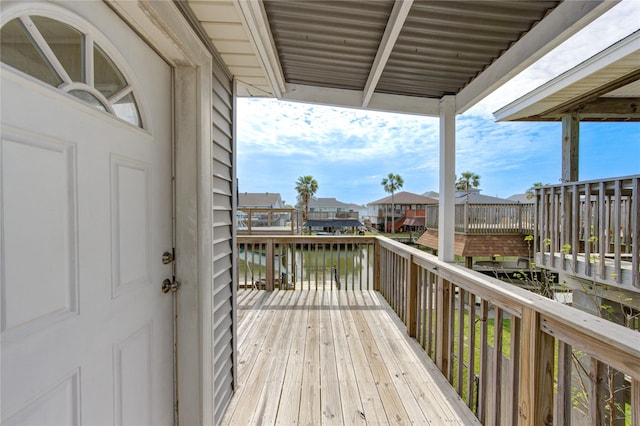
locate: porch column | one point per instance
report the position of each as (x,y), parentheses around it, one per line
(447,163)
(570,143)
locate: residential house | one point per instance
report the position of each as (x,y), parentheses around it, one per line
(407,210)
(119,191)
(260,200)
(331,215)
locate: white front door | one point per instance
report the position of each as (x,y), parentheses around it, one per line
(86,218)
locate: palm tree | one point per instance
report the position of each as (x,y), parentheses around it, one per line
(391,184)
(531,192)
(467,180)
(306,186)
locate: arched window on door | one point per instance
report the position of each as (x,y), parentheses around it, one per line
(68,59)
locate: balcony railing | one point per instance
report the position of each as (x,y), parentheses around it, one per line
(269,221)
(590,229)
(333,215)
(487,219)
(513,356)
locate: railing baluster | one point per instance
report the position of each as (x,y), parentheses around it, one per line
(471,351)
(562,409)
(634,234)
(514,370)
(617,228)
(431,279)
(575,226)
(484,361)
(536,372)
(269,265)
(412,300)
(602,241)
(496,377)
(588,224)
(460,339)
(442,325)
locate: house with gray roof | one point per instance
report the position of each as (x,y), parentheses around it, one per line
(260,200)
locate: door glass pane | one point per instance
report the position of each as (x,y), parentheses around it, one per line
(108,80)
(88,98)
(127,110)
(17,50)
(66,43)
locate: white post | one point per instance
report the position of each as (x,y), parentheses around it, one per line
(446,216)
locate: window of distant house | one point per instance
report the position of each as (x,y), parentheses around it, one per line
(69,60)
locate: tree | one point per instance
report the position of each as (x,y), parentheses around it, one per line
(531,192)
(467,180)
(391,184)
(306,186)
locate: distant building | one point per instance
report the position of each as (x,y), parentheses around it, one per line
(332,205)
(260,200)
(409,211)
(473,196)
(522,198)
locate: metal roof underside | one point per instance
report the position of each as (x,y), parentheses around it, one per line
(400,56)
(606,87)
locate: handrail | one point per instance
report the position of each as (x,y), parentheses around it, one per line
(435,300)
(433,295)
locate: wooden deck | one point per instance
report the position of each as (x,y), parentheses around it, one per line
(334,357)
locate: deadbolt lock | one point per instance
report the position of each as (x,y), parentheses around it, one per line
(167,258)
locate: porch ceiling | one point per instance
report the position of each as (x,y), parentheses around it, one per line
(606,87)
(400,56)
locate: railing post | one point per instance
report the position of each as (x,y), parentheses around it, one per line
(269,260)
(412,299)
(536,372)
(376,265)
(442,325)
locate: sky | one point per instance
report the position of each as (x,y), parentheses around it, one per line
(350,151)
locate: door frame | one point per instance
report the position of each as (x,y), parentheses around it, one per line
(162,26)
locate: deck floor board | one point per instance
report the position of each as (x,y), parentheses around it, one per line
(334,357)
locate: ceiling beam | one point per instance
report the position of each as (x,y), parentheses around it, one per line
(564,21)
(254,18)
(353,99)
(395,23)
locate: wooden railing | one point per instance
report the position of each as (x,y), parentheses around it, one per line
(590,229)
(513,356)
(268,221)
(487,219)
(553,362)
(333,215)
(310,262)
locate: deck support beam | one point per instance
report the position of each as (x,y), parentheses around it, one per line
(570,143)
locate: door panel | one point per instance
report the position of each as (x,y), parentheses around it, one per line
(86,216)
